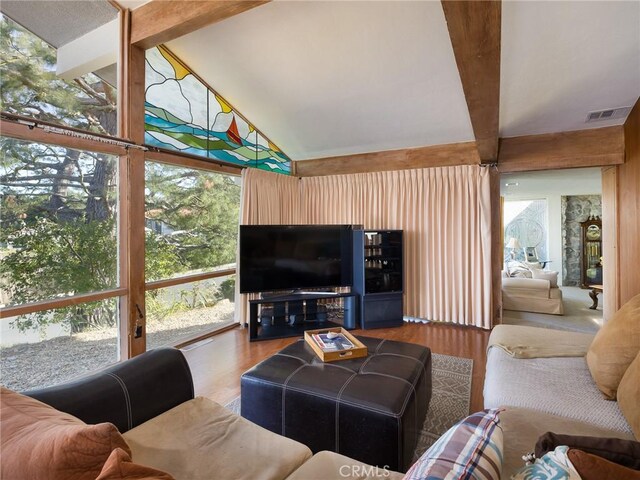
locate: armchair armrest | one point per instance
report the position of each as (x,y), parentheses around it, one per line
(126,394)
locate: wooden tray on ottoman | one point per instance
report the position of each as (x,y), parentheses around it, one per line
(359,350)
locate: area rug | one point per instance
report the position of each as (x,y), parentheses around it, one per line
(450,399)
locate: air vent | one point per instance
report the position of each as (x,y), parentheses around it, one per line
(609,114)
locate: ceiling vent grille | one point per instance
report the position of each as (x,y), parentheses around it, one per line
(609,114)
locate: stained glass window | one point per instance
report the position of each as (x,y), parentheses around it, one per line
(181,113)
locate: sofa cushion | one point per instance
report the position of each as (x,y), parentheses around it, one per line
(629,395)
(615,347)
(544,275)
(522,427)
(471,449)
(554,465)
(120,467)
(200,439)
(592,467)
(327,465)
(38,441)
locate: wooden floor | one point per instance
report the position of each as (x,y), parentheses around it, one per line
(218,362)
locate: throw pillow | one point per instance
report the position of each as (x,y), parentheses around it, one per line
(614,347)
(554,465)
(629,396)
(592,467)
(518,270)
(120,467)
(471,449)
(617,450)
(543,275)
(38,441)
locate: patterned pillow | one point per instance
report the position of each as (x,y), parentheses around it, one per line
(471,449)
(554,465)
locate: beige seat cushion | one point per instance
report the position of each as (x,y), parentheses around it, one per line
(616,345)
(522,427)
(201,439)
(329,466)
(629,395)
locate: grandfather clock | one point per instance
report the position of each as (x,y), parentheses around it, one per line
(591,249)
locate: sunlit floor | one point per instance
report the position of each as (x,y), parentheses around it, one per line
(577,315)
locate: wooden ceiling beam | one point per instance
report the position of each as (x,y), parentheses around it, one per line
(596,147)
(474,28)
(161,21)
(421,157)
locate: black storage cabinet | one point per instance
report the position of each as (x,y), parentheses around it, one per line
(378,277)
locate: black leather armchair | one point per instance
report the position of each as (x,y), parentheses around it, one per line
(126,394)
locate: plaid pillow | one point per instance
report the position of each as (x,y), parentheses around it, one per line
(471,449)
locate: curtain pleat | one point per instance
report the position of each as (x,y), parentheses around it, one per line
(444,213)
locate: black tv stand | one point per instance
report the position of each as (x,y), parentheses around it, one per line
(289,315)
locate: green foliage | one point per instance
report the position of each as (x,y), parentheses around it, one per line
(201,211)
(228,289)
(58,206)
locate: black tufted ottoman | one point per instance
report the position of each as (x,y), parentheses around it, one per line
(370,409)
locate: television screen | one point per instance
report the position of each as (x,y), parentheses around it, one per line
(283,257)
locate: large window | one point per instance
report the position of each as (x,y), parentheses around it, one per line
(192,227)
(58,238)
(32,88)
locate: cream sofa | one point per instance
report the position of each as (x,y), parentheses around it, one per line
(531,295)
(544,391)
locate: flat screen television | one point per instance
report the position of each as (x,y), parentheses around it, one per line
(291,257)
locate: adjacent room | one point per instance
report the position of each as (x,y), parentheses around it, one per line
(253,239)
(552,223)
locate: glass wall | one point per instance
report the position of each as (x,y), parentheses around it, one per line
(53,346)
(58,215)
(181,312)
(30,84)
(191,219)
(58,238)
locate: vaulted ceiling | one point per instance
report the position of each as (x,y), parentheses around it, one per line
(327,78)
(335,78)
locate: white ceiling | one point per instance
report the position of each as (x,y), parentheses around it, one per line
(333,78)
(561,60)
(58,22)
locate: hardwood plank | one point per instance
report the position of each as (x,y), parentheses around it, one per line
(420,157)
(597,147)
(218,363)
(192,161)
(160,21)
(496,247)
(60,302)
(610,236)
(134,235)
(196,277)
(629,209)
(474,28)
(36,134)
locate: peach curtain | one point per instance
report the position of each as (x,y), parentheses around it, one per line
(266,199)
(444,213)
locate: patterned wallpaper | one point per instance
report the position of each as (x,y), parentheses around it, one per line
(575,209)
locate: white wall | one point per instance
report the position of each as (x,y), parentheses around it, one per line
(552,185)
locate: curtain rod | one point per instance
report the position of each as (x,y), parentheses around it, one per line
(70,131)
